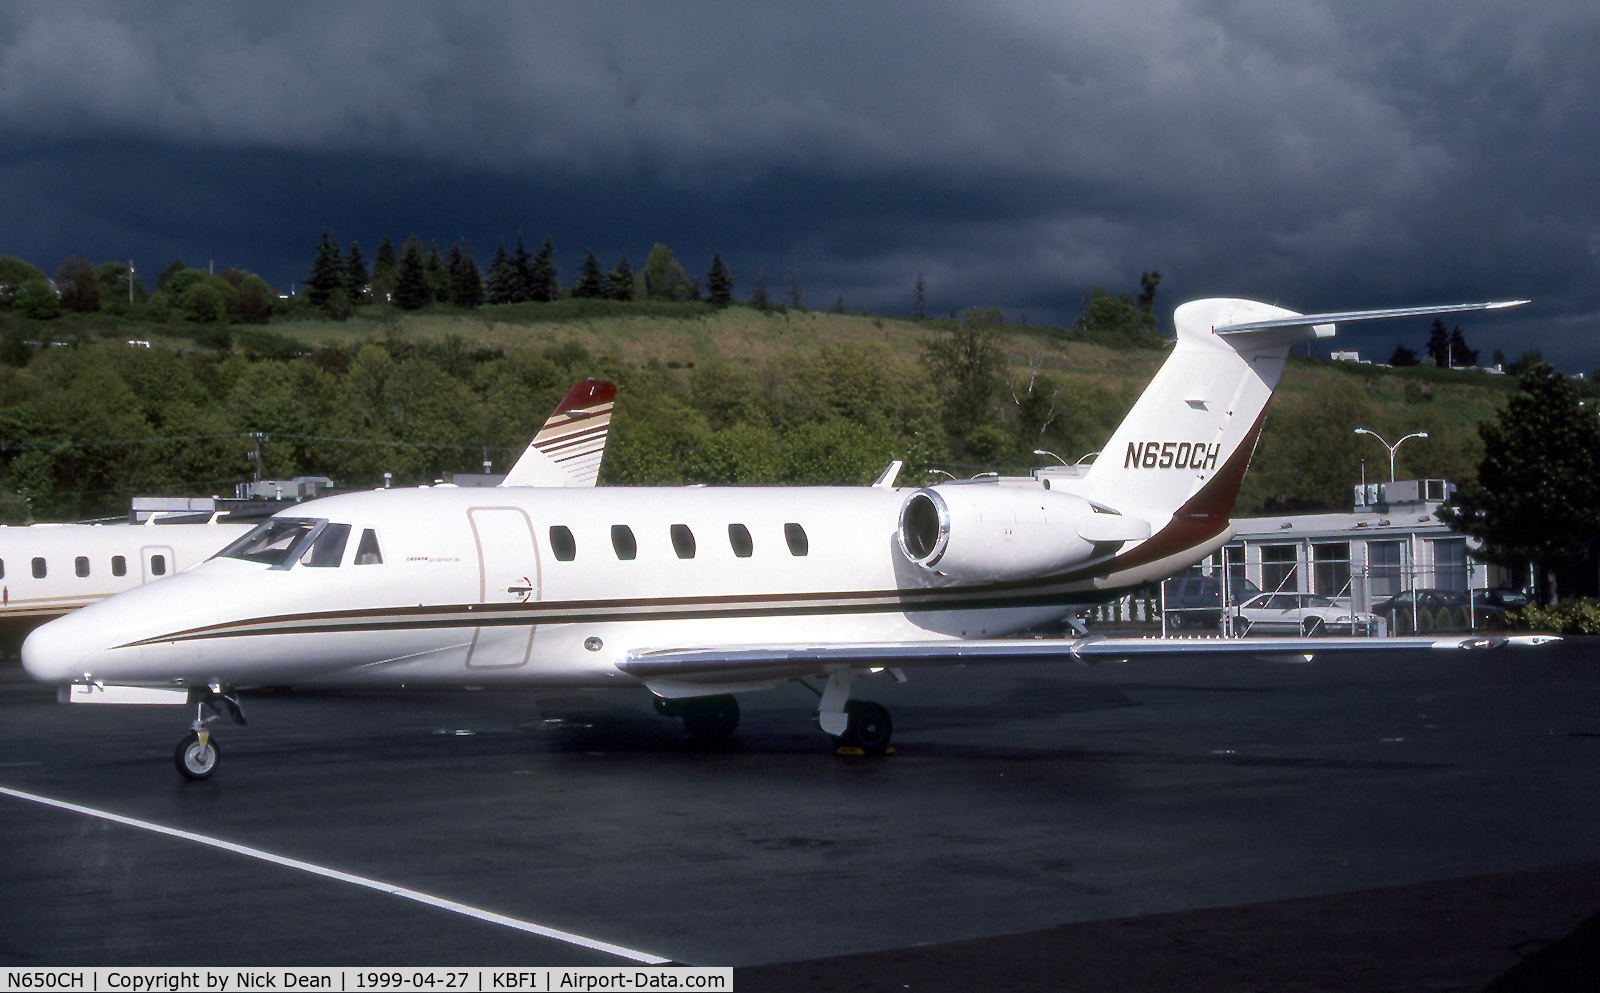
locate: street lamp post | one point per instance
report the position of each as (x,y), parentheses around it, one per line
(1392,448)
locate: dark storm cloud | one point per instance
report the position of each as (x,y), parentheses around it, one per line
(1321,155)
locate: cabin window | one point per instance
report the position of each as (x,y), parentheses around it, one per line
(38,569)
(622,542)
(327,550)
(2,568)
(119,566)
(739,538)
(367,550)
(683,541)
(80,566)
(795,535)
(562,543)
(158,565)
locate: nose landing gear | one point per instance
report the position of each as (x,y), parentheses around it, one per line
(197,754)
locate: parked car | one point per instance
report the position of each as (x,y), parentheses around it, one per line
(1299,613)
(1424,610)
(1194,601)
(1508,598)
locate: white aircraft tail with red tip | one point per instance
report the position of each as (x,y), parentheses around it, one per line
(568,449)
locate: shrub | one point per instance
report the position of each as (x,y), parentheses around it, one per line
(1580,616)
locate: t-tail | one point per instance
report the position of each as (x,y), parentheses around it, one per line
(1159,496)
(567,451)
(1179,457)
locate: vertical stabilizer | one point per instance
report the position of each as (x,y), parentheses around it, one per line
(567,451)
(1199,419)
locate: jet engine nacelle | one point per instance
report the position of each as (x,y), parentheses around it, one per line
(988,533)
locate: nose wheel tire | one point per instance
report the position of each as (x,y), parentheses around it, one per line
(195,760)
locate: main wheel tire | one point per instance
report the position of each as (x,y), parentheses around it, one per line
(196,761)
(1175,620)
(869,728)
(710,718)
(1313,628)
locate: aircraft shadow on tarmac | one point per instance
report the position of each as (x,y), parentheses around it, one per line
(446,728)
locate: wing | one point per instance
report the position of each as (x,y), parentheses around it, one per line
(683,671)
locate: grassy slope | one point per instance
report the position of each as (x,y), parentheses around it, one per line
(687,334)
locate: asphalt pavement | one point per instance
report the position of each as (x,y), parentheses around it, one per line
(1431,822)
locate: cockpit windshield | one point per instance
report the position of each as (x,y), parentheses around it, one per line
(271,542)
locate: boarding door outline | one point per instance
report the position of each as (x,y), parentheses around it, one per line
(508,572)
(168,561)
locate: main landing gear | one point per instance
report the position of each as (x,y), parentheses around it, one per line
(197,754)
(856,726)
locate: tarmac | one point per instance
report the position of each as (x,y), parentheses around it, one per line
(1363,823)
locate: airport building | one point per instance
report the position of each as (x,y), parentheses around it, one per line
(1393,540)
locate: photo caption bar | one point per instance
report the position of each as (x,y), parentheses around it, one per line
(382,980)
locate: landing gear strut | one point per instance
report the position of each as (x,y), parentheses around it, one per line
(197,754)
(854,724)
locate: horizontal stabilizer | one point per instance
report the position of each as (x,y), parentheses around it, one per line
(1300,327)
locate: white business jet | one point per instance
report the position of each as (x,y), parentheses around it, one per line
(696,593)
(47,570)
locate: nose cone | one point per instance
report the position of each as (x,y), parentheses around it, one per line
(55,652)
(107,641)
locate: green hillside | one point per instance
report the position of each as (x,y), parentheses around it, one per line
(734,395)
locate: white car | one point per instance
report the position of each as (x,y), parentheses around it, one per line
(1299,613)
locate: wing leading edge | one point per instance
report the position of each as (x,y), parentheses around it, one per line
(733,664)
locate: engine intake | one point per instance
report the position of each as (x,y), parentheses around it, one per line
(989,533)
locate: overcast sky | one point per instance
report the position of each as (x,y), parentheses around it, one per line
(1318,155)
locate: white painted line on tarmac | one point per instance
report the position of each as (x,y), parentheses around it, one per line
(345,877)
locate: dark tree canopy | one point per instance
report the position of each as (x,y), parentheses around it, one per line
(619,285)
(591,284)
(719,282)
(1537,498)
(328,272)
(1403,356)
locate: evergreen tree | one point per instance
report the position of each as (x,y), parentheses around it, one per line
(1537,497)
(411,291)
(919,298)
(545,283)
(385,270)
(438,275)
(797,299)
(327,272)
(1461,357)
(466,283)
(1402,356)
(619,285)
(501,275)
(521,273)
(1439,343)
(719,282)
(356,277)
(590,284)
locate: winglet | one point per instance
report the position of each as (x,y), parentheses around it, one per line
(568,449)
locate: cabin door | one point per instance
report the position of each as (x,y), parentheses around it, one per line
(508,573)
